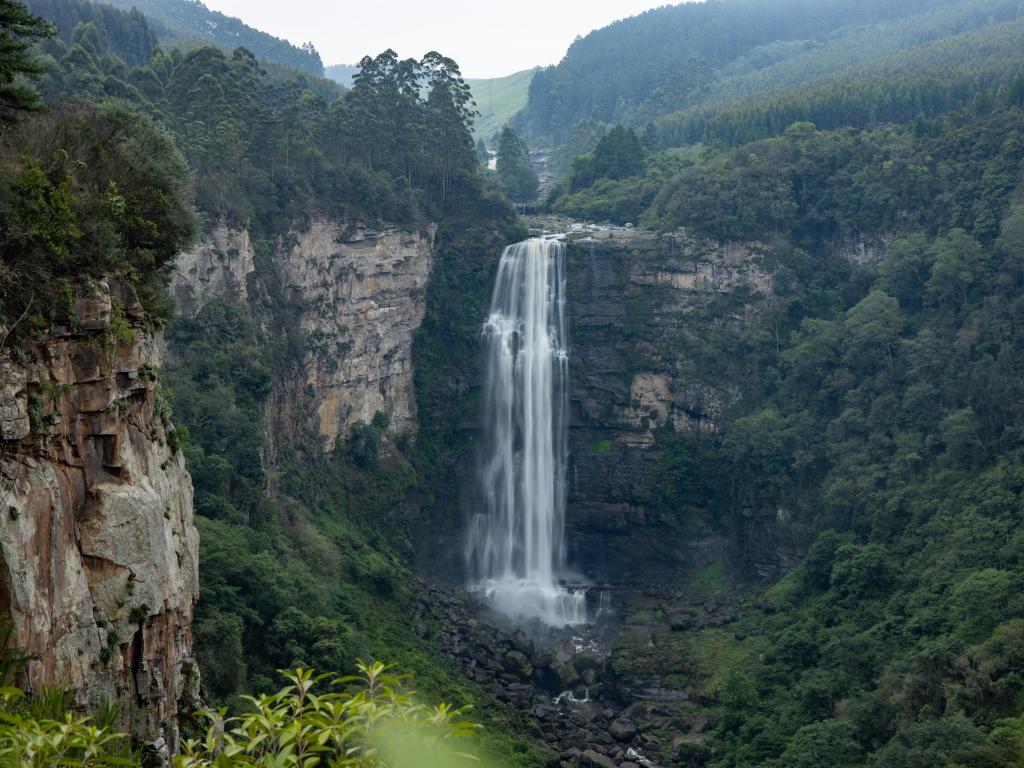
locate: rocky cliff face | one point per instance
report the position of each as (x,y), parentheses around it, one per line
(217,267)
(360,295)
(642,307)
(98,551)
(357,295)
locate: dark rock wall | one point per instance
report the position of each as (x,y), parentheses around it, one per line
(641,307)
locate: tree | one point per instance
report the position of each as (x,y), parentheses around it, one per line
(514,170)
(617,155)
(19,31)
(449,114)
(825,744)
(94,190)
(956,262)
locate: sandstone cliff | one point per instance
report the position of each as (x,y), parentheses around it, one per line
(361,297)
(98,551)
(217,267)
(356,295)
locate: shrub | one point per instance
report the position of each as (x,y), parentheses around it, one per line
(376,726)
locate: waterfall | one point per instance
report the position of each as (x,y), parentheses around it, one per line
(515,549)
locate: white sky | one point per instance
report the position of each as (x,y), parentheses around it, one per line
(487,39)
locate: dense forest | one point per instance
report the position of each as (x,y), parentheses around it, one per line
(189,24)
(747,71)
(879,396)
(872,153)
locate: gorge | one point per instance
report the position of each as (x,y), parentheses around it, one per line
(713,459)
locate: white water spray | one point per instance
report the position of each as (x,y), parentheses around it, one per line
(515,550)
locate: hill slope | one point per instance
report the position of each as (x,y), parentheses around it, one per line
(678,56)
(341,73)
(191,20)
(498,99)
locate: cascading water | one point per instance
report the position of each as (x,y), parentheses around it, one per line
(515,550)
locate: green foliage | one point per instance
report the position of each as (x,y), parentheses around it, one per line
(364,445)
(810,186)
(19,30)
(619,201)
(617,155)
(126,34)
(377,724)
(514,170)
(48,743)
(91,191)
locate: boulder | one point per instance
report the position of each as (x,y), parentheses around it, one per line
(517,663)
(587,660)
(622,730)
(592,759)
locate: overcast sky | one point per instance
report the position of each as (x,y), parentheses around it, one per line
(488,39)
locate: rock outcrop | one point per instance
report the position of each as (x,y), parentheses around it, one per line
(360,295)
(217,267)
(98,551)
(642,307)
(356,294)
(639,305)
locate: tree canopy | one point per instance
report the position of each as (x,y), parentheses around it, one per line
(19,31)
(514,170)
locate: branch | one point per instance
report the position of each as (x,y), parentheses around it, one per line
(16,322)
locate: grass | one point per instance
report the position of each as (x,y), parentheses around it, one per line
(498,99)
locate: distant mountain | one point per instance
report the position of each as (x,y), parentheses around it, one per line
(191,20)
(671,58)
(341,73)
(498,99)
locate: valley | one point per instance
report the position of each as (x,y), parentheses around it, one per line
(687,432)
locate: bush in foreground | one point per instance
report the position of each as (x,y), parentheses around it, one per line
(313,721)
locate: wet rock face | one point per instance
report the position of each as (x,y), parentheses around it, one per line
(639,306)
(98,551)
(636,302)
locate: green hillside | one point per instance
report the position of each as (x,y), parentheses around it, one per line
(195,24)
(498,99)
